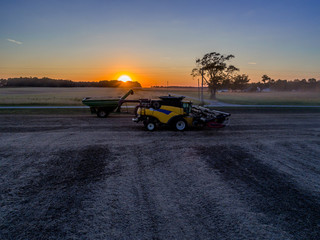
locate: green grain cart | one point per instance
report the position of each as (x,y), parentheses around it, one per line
(102,107)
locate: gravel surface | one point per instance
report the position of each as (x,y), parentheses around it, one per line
(81,177)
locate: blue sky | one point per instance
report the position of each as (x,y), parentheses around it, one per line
(157,41)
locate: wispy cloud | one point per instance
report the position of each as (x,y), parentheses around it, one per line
(252,63)
(14,41)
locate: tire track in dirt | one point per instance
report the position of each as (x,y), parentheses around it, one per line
(170,200)
(268,191)
(49,204)
(299,160)
(145,198)
(297,153)
(144,195)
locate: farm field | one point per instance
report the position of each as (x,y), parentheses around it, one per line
(69,96)
(73,96)
(271,98)
(80,177)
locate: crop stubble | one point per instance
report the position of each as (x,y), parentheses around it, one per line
(87,178)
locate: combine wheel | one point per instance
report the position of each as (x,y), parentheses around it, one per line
(180,125)
(102,113)
(150,125)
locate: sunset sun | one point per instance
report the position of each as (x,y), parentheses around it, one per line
(124,78)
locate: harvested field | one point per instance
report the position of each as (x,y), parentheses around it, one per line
(33,96)
(81,177)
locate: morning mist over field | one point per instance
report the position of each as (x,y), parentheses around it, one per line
(155,42)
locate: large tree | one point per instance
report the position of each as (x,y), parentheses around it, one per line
(215,70)
(240,82)
(265,78)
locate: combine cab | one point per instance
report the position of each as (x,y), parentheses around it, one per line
(177,113)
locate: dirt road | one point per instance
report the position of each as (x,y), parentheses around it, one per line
(80,177)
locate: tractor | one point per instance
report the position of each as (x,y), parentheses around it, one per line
(177,113)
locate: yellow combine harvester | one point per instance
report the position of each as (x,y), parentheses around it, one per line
(179,114)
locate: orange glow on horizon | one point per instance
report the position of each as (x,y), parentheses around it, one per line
(147,77)
(124,78)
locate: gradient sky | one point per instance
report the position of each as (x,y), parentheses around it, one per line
(157,41)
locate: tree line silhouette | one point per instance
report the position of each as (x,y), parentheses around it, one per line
(215,72)
(241,82)
(49,82)
(268,83)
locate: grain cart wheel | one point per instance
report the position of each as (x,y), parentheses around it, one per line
(102,113)
(180,125)
(150,125)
